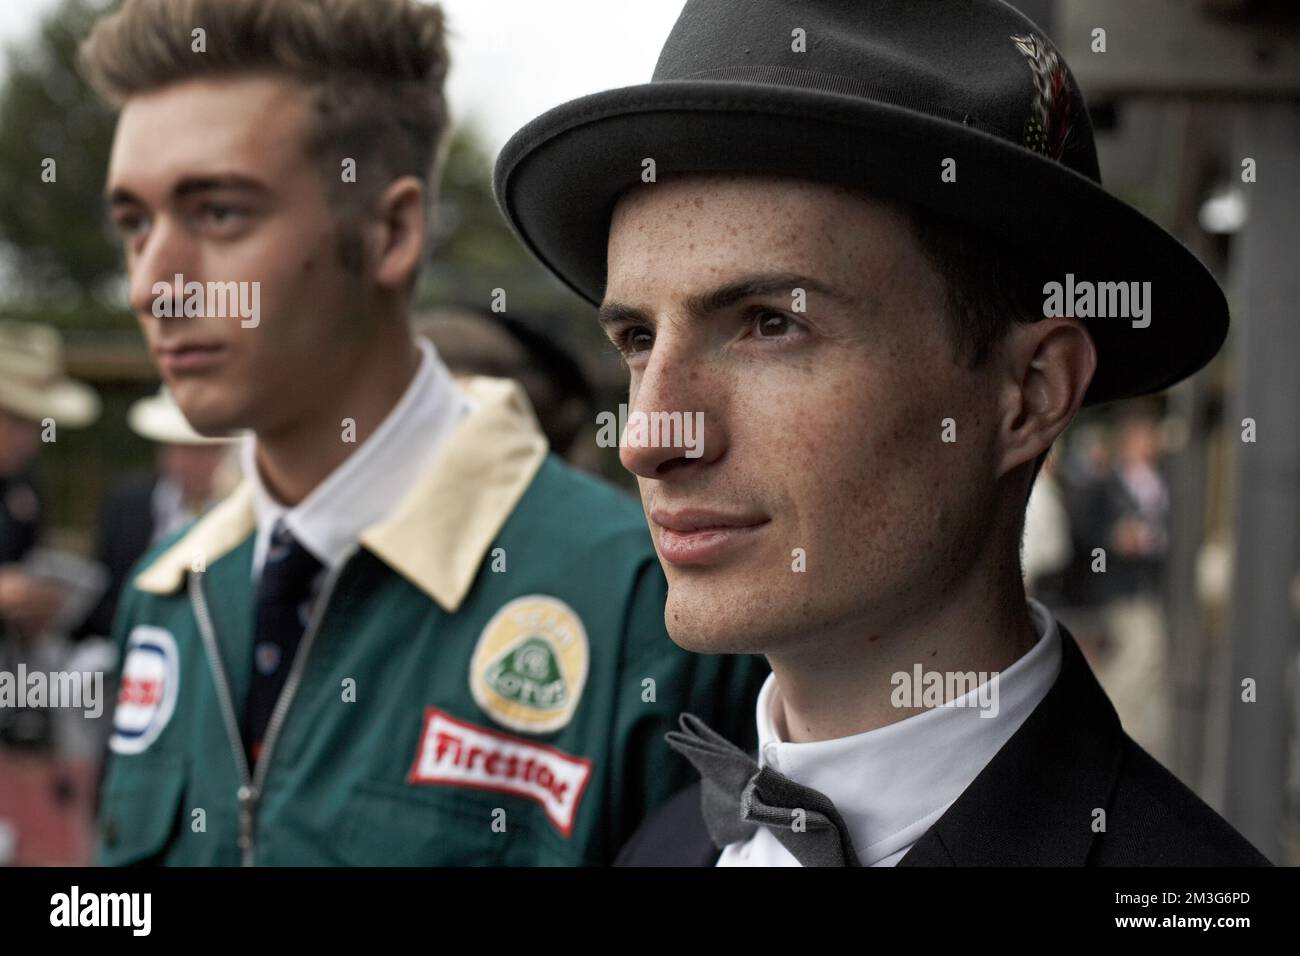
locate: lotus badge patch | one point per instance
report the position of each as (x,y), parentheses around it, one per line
(530,665)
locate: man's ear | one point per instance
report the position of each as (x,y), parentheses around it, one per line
(1046,367)
(395,235)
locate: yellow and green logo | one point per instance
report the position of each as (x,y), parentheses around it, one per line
(530,664)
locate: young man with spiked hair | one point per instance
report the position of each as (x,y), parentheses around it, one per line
(412,636)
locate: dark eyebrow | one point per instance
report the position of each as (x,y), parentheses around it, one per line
(190,186)
(703,304)
(614,313)
(756,286)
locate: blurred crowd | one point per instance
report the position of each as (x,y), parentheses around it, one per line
(1095,551)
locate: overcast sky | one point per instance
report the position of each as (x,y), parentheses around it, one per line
(511,59)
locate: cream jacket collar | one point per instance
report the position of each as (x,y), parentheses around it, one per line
(439,534)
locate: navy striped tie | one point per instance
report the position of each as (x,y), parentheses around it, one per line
(283,600)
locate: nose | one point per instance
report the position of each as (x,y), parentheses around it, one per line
(163,254)
(675,425)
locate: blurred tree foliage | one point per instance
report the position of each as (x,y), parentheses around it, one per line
(53,233)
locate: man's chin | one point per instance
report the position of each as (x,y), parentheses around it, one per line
(208,414)
(713,624)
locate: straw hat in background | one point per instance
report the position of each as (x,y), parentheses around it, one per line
(33,384)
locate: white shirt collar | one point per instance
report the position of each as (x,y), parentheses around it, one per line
(892,783)
(374,479)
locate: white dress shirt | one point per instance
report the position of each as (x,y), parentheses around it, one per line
(374,479)
(892,783)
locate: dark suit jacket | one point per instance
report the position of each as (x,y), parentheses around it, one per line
(20,516)
(125,530)
(1033,805)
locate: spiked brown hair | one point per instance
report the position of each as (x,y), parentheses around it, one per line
(375,70)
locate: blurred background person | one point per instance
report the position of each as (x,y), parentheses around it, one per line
(1134,507)
(1088,475)
(192,473)
(531,351)
(36,399)
(43,800)
(1096,540)
(1083,474)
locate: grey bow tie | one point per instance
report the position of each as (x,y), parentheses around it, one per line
(738,796)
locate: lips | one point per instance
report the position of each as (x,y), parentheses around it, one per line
(189,357)
(698,536)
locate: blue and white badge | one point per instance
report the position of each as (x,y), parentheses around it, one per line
(146,696)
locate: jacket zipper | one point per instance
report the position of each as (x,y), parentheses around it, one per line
(250,786)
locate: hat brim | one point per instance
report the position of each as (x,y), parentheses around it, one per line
(559,177)
(68,402)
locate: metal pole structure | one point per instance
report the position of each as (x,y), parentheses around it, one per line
(1188,650)
(1267,525)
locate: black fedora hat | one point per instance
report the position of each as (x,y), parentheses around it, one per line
(877,94)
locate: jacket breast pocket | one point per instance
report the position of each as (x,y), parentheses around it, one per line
(401,825)
(142,801)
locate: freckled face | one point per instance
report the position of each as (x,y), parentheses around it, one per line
(822,428)
(210,179)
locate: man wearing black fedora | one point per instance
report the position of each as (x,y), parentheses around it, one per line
(831,229)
